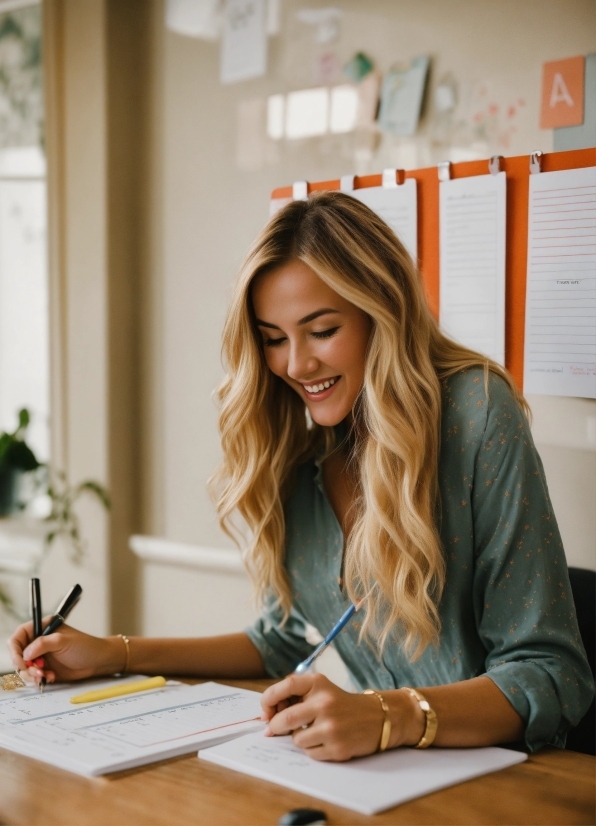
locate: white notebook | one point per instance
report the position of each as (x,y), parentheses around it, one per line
(123,732)
(367,785)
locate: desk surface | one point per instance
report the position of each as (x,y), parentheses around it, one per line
(553,787)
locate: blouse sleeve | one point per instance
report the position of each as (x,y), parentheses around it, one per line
(282,646)
(522,598)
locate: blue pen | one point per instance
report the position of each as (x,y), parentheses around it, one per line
(347,616)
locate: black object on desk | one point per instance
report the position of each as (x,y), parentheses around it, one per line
(303,817)
(64,609)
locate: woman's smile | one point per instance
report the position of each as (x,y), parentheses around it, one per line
(320,389)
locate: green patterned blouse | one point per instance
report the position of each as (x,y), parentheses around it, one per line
(507,609)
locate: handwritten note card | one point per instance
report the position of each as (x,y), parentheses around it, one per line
(560,342)
(472,262)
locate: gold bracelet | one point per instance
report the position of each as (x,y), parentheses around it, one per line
(432,723)
(386,731)
(126,642)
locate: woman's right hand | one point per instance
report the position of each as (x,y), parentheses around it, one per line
(67,654)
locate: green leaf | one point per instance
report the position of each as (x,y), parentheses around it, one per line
(10,26)
(18,455)
(5,441)
(24,418)
(98,490)
(14,452)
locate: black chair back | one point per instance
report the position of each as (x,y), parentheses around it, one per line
(583,586)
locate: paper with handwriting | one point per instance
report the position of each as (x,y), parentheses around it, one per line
(127,731)
(368,784)
(472,262)
(560,336)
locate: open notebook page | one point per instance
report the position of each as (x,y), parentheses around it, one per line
(472,262)
(560,336)
(96,738)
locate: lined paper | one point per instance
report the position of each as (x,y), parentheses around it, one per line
(472,262)
(560,338)
(127,731)
(397,207)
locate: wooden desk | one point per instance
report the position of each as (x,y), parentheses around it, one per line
(554,787)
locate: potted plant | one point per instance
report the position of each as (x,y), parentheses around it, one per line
(16,458)
(61,519)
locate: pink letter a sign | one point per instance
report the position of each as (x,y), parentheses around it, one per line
(562,93)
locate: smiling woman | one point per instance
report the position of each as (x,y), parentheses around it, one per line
(413,489)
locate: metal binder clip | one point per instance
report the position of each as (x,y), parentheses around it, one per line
(494,164)
(444,170)
(392,178)
(300,191)
(346,183)
(535,162)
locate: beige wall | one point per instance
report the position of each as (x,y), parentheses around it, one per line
(212,208)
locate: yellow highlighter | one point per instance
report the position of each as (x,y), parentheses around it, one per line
(118,690)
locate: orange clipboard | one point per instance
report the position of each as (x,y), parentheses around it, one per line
(517,170)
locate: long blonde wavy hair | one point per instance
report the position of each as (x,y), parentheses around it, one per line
(393,550)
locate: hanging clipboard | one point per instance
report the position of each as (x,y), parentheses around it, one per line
(518,173)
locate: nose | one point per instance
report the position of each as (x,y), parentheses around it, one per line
(301,362)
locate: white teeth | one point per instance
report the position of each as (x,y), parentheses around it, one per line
(317,388)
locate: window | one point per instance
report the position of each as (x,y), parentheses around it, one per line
(24,308)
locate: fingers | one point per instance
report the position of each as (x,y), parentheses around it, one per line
(279,707)
(32,659)
(292,718)
(296,685)
(19,641)
(317,742)
(44,645)
(323,752)
(328,723)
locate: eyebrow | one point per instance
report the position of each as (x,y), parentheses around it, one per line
(305,320)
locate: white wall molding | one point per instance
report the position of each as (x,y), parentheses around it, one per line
(168,552)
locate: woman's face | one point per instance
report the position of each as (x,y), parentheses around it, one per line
(313,339)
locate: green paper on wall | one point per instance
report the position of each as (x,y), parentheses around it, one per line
(358,67)
(401,97)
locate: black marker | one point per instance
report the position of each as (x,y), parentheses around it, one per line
(64,609)
(36,615)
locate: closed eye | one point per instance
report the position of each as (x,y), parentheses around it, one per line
(326,333)
(274,342)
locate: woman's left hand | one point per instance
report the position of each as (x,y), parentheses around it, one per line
(325,721)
